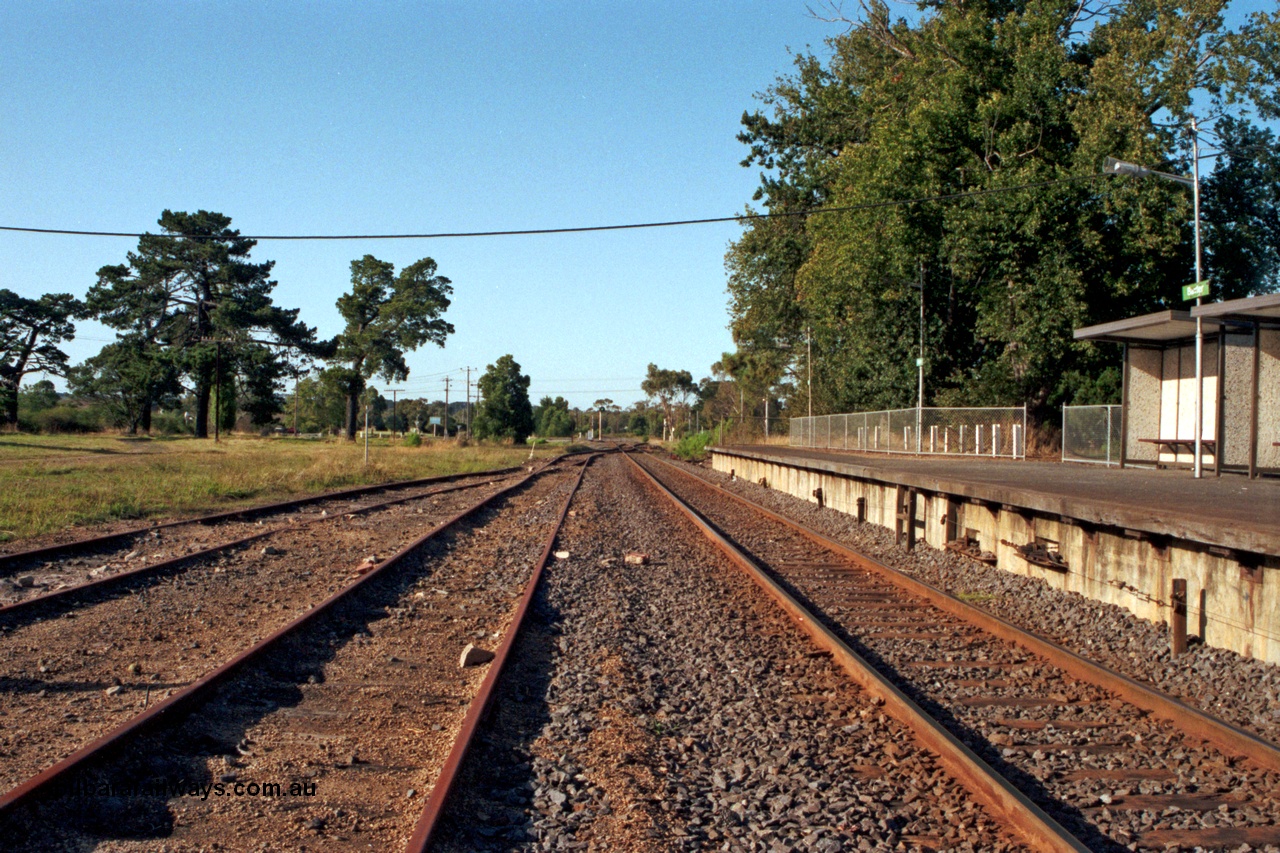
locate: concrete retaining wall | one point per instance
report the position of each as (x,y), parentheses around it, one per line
(1233,599)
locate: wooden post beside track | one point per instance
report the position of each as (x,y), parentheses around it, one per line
(906,517)
(1178,623)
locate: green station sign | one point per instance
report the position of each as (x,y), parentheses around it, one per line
(1195,291)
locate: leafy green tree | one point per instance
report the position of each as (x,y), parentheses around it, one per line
(319,403)
(191,294)
(671,388)
(603,406)
(504,411)
(387,315)
(30,332)
(1002,112)
(38,397)
(638,424)
(552,419)
(127,378)
(1240,203)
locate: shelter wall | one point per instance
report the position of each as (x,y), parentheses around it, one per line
(1145,369)
(1269,399)
(1237,388)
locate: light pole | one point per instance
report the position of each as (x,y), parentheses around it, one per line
(920,365)
(1120,167)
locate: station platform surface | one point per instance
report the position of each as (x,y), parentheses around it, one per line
(1230,511)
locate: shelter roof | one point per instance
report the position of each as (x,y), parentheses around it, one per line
(1158,328)
(1265,308)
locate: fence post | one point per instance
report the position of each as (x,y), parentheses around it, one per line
(946,439)
(1064,432)
(977,439)
(1024,430)
(1108,435)
(1015,442)
(933,438)
(995,439)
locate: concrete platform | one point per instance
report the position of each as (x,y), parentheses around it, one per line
(1124,535)
(1230,511)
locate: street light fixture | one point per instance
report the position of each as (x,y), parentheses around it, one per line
(1120,167)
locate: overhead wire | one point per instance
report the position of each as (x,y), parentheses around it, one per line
(521,232)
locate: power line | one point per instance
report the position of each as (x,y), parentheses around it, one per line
(522,232)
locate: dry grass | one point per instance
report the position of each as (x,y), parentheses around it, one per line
(49,483)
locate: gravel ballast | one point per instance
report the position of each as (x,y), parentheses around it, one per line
(667,705)
(1236,689)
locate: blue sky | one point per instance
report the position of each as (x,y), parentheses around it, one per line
(331,118)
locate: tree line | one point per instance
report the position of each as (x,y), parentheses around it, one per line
(996,117)
(194,316)
(201,344)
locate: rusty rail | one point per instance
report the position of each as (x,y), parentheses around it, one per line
(433,810)
(190,695)
(1007,803)
(162,566)
(1193,721)
(6,560)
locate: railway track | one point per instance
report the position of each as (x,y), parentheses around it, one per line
(354,701)
(1117,764)
(651,701)
(662,703)
(52,569)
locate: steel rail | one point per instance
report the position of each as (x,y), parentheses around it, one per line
(163,566)
(1192,721)
(45,551)
(1005,802)
(189,696)
(433,809)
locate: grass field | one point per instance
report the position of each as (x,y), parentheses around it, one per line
(51,482)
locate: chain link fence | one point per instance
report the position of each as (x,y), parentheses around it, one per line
(753,430)
(993,431)
(1091,434)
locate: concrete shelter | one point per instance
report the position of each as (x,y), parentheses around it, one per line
(1250,367)
(1241,371)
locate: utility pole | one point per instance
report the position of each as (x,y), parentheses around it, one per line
(393,391)
(808,361)
(366,431)
(217,382)
(296,374)
(218,389)
(446,407)
(468,409)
